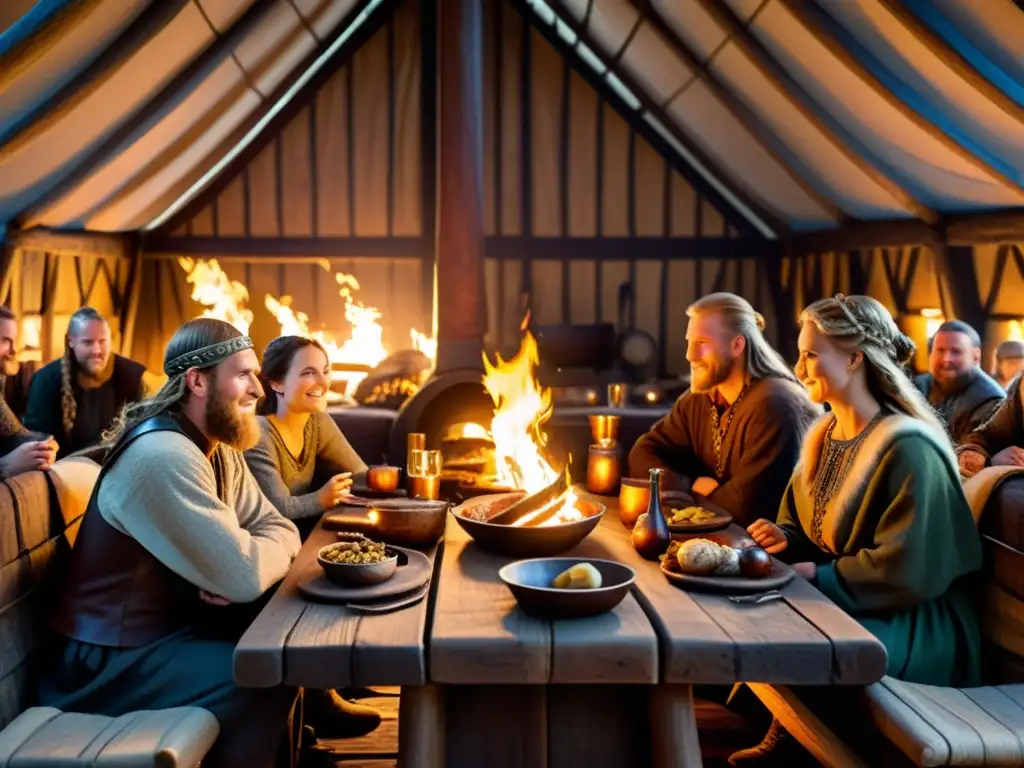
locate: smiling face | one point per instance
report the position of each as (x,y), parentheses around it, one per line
(233,392)
(824,367)
(952,358)
(90,343)
(305,385)
(712,353)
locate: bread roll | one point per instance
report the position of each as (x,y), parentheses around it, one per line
(702,557)
(580,576)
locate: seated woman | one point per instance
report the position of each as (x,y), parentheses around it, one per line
(874,515)
(300,445)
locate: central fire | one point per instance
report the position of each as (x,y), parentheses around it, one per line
(521,407)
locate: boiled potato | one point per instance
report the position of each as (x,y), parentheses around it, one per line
(580,576)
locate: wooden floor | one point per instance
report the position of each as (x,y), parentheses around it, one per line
(721,732)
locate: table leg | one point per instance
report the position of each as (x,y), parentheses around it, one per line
(421,727)
(674,739)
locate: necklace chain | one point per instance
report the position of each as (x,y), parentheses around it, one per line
(837,457)
(719,432)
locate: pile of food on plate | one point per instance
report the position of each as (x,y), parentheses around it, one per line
(703,557)
(357,552)
(690,516)
(580,576)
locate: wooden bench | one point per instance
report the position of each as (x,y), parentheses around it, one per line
(932,725)
(39,518)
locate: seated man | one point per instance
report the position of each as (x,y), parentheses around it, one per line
(20,450)
(1000,440)
(1009,362)
(963,394)
(177,524)
(76,397)
(735,436)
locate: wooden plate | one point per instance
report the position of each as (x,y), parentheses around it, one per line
(779,576)
(314,585)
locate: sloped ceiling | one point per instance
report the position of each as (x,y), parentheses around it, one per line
(804,113)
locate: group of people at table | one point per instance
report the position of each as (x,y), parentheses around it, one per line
(845,467)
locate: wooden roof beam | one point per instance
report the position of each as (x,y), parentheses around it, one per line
(647,106)
(768,141)
(71,243)
(802,102)
(811,18)
(185,81)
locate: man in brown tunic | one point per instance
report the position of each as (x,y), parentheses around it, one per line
(735,436)
(1000,440)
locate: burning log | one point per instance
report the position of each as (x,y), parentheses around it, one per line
(536,508)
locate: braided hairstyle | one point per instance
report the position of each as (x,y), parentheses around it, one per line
(863,324)
(69,365)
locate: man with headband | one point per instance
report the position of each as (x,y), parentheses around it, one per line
(177,534)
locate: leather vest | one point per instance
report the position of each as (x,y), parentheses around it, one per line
(116,593)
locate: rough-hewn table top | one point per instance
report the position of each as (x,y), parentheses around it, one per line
(318,645)
(804,639)
(479,634)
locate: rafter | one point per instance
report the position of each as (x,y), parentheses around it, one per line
(952,59)
(767,140)
(57,107)
(70,243)
(635,117)
(811,18)
(279,120)
(186,81)
(801,102)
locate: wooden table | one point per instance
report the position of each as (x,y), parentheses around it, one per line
(484,684)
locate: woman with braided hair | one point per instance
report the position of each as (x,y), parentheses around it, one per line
(76,397)
(874,515)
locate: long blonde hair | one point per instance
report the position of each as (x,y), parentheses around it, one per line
(69,366)
(763,362)
(863,324)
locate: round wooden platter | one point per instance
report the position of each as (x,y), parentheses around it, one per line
(779,576)
(314,585)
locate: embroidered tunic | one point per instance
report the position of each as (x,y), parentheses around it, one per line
(757,453)
(895,545)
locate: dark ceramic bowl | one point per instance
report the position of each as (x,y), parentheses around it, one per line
(525,541)
(530,583)
(357,574)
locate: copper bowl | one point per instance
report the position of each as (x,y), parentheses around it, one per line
(384,479)
(402,522)
(523,541)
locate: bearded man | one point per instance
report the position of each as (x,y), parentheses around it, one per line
(962,394)
(176,530)
(735,436)
(76,397)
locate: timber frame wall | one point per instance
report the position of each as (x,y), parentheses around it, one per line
(582,196)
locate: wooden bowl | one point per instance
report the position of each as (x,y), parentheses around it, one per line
(403,522)
(384,478)
(357,574)
(530,584)
(525,541)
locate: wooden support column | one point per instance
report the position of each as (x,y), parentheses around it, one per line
(459,243)
(959,281)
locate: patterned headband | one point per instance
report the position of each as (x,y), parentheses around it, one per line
(206,357)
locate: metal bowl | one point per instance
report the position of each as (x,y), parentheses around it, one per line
(525,541)
(357,574)
(403,522)
(530,584)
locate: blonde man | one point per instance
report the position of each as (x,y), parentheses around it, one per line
(735,436)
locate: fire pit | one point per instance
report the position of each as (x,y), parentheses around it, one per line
(571,525)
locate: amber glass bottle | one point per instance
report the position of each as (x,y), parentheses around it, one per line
(651,536)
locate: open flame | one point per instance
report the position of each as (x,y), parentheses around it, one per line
(521,407)
(364,349)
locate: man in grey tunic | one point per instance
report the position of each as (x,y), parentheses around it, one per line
(962,394)
(175,550)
